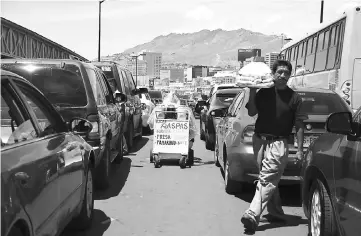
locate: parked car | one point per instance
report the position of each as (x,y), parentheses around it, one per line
(234,151)
(79,89)
(156,96)
(46,167)
(212,113)
(217,87)
(331,179)
(147,108)
(122,79)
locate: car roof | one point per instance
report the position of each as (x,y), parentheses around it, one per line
(312,90)
(8,73)
(100,63)
(47,61)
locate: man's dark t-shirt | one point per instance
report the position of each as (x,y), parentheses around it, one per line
(276,111)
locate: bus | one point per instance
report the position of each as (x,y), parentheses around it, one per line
(329,57)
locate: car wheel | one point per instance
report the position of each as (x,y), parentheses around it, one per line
(103,170)
(85,218)
(120,155)
(130,136)
(140,129)
(321,211)
(231,186)
(209,145)
(216,153)
(202,131)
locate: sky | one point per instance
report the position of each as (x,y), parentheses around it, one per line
(127,23)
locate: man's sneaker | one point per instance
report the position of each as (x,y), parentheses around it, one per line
(249,222)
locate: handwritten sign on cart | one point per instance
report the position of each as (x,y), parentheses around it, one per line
(171,136)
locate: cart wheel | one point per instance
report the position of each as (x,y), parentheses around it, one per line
(151,156)
(183,162)
(156,161)
(190,161)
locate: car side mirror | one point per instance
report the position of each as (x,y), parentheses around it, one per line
(120,97)
(80,126)
(339,123)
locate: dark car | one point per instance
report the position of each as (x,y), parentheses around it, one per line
(121,79)
(46,167)
(79,89)
(215,107)
(331,178)
(156,96)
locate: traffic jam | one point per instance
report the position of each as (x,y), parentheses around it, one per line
(67,124)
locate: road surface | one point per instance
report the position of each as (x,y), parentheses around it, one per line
(144,201)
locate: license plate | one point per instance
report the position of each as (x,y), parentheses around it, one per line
(307,140)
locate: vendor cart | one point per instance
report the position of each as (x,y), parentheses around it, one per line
(171,137)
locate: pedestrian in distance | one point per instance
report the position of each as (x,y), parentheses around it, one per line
(278,109)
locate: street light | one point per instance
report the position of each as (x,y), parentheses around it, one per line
(136,65)
(100,6)
(321,14)
(285,39)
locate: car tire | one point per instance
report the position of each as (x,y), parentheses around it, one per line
(321,212)
(85,218)
(120,155)
(102,179)
(16,232)
(216,154)
(231,186)
(209,145)
(130,136)
(202,131)
(140,135)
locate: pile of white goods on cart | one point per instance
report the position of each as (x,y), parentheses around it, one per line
(174,128)
(255,75)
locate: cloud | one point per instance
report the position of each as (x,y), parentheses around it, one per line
(200,13)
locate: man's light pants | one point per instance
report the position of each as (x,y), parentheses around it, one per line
(272,159)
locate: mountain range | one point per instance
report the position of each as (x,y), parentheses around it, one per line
(207,47)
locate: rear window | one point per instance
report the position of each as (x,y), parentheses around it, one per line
(62,87)
(225,98)
(108,71)
(155,94)
(321,103)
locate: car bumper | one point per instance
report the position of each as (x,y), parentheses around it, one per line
(243,166)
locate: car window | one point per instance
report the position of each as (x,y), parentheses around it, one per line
(63,88)
(44,118)
(131,81)
(96,87)
(223,98)
(15,127)
(107,70)
(238,103)
(321,103)
(108,95)
(126,83)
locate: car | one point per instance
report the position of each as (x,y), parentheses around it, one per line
(46,166)
(199,107)
(217,87)
(121,79)
(183,102)
(156,96)
(212,112)
(147,108)
(331,179)
(234,150)
(78,88)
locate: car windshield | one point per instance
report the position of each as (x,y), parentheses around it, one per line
(62,87)
(321,103)
(224,98)
(155,94)
(108,71)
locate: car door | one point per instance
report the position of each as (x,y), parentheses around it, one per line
(112,113)
(36,157)
(137,103)
(347,175)
(235,123)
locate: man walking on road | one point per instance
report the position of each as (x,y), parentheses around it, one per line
(278,110)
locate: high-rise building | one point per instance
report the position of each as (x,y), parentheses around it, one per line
(141,67)
(196,71)
(154,63)
(270,58)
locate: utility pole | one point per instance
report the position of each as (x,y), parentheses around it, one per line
(321,15)
(100,7)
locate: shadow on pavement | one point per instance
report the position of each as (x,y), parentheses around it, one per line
(290,194)
(119,176)
(101,223)
(139,144)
